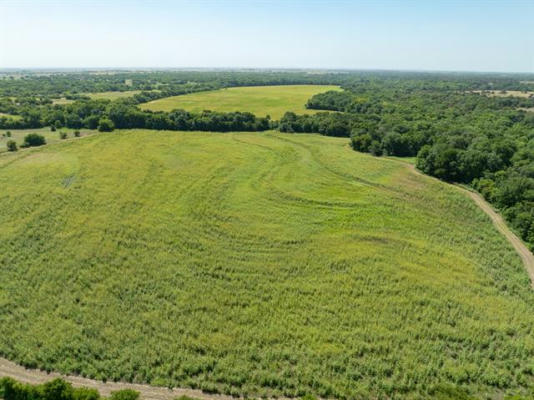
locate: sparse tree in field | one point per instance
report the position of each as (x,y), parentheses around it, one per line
(8,133)
(53,128)
(11,145)
(62,135)
(33,140)
(76,133)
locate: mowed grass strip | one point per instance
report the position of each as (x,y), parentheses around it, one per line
(255,264)
(259,100)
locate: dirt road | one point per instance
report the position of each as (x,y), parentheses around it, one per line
(522,250)
(526,255)
(34,376)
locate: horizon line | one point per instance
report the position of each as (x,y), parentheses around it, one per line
(237,68)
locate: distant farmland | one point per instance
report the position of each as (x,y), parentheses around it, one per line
(51,137)
(259,100)
(256,264)
(505,93)
(112,95)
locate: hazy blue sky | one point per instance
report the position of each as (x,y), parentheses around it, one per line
(425,35)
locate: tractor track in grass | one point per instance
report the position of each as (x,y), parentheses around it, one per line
(147,392)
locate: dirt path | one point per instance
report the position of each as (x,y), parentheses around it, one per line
(34,376)
(498,222)
(522,250)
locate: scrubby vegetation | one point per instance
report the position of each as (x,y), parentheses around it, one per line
(56,389)
(33,140)
(256,264)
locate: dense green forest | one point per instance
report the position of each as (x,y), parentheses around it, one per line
(458,132)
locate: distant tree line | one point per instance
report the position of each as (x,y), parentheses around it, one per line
(105,115)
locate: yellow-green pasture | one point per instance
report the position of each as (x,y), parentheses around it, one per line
(256,264)
(259,100)
(51,137)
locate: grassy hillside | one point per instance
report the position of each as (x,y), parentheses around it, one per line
(255,264)
(259,100)
(51,137)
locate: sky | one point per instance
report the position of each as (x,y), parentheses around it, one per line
(453,35)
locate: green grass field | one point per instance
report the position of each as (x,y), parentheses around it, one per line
(51,137)
(10,116)
(101,96)
(256,263)
(259,100)
(113,95)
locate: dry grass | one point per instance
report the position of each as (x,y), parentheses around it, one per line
(504,93)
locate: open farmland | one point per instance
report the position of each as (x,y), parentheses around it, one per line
(113,95)
(10,116)
(259,100)
(51,137)
(505,93)
(255,263)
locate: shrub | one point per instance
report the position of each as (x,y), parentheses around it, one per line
(76,133)
(62,135)
(11,145)
(127,394)
(53,128)
(8,133)
(105,125)
(33,140)
(57,389)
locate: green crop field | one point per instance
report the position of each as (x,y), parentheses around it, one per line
(51,137)
(10,116)
(113,95)
(100,96)
(259,100)
(256,263)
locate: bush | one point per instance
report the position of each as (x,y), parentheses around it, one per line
(53,128)
(126,394)
(105,125)
(8,133)
(76,133)
(63,135)
(57,389)
(375,148)
(33,140)
(11,145)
